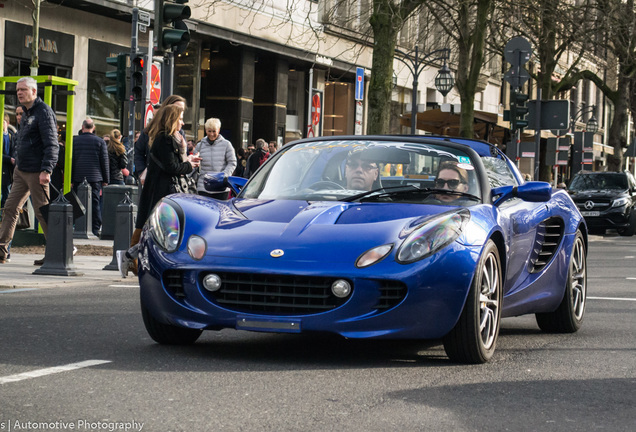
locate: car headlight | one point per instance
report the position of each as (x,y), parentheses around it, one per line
(432,236)
(620,202)
(165,226)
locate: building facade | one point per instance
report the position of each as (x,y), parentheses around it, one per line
(265,71)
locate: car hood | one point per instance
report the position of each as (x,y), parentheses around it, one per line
(595,194)
(305,231)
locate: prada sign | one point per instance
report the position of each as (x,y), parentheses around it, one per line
(53,47)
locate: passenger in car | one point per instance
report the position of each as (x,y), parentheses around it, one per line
(452,177)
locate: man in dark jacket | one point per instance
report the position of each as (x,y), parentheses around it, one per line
(90,162)
(37,152)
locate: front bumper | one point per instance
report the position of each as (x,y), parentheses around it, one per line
(432,297)
(613,218)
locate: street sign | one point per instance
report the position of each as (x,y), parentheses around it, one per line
(515,77)
(522,46)
(555,114)
(517,52)
(155,84)
(143,18)
(359,84)
(150,111)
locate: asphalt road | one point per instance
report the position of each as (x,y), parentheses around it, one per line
(78,358)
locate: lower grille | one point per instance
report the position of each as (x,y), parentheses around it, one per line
(173,282)
(290,295)
(275,294)
(391,294)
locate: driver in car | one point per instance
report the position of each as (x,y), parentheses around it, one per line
(360,174)
(451,177)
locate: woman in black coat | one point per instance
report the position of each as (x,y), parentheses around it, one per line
(117,159)
(168,158)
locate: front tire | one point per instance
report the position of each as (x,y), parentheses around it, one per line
(631,229)
(166,334)
(569,315)
(474,337)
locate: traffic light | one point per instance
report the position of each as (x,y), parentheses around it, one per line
(137,77)
(518,111)
(119,76)
(171,33)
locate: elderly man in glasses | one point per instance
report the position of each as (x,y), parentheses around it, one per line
(361,174)
(451,177)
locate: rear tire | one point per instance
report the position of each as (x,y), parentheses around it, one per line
(569,315)
(474,337)
(166,334)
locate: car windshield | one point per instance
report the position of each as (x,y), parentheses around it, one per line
(367,170)
(583,182)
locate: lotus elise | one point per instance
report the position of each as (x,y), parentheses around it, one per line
(398,237)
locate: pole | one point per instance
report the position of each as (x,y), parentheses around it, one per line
(537,137)
(133,53)
(414,96)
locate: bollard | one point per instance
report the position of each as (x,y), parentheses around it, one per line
(58,255)
(124,227)
(84,224)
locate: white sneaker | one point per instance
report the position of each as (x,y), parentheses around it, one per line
(123,263)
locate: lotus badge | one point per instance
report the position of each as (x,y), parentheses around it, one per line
(277,253)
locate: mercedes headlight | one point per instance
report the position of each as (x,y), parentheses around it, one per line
(431,236)
(165,226)
(620,202)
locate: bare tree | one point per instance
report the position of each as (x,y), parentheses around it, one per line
(617,20)
(466,23)
(561,33)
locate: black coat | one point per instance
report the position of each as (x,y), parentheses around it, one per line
(167,150)
(90,159)
(141,153)
(117,163)
(37,146)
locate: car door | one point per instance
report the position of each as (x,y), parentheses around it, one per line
(519,220)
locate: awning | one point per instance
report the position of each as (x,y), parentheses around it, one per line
(488,126)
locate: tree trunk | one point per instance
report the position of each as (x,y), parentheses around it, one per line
(616,137)
(384,40)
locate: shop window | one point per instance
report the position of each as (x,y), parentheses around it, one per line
(100,103)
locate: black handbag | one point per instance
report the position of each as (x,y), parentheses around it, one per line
(183,184)
(24,221)
(178,183)
(78,208)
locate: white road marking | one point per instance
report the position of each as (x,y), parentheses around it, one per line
(9,291)
(52,370)
(611,298)
(124,286)
(630,278)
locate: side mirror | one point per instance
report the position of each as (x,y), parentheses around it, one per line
(529,191)
(217,182)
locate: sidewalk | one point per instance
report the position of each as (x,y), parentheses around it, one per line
(18,273)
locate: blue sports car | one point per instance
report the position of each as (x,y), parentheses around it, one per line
(368,237)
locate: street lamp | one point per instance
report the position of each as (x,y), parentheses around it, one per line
(444,81)
(592,123)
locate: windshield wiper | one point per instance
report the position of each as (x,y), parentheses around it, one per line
(458,193)
(394,189)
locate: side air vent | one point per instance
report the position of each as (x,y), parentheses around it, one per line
(549,236)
